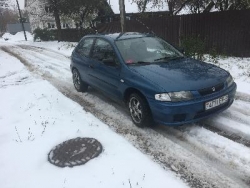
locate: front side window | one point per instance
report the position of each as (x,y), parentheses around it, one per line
(84,47)
(146,50)
(103,50)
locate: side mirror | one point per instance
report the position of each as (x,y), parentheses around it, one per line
(181,49)
(109,62)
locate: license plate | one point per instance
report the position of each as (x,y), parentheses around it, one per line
(216,102)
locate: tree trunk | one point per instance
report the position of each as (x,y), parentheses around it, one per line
(58,20)
(171,8)
(144,6)
(122,15)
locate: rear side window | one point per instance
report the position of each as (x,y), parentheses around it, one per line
(85,46)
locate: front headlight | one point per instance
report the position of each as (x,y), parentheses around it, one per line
(174,96)
(229,81)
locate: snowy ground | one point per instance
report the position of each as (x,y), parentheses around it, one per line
(212,153)
(35,116)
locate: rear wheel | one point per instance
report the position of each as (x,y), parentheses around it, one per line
(78,83)
(139,110)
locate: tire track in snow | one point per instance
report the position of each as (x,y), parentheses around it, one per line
(234,137)
(242,96)
(236,115)
(241,107)
(200,142)
(232,129)
(192,169)
(41,49)
(44,64)
(234,123)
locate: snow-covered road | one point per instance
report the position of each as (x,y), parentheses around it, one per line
(212,153)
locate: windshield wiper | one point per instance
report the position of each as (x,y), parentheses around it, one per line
(139,62)
(169,58)
(142,62)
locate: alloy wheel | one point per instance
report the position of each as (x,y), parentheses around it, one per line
(76,80)
(135,109)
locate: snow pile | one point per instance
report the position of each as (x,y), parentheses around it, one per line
(239,68)
(35,117)
(7,36)
(19,36)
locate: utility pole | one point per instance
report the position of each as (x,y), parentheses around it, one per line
(21,19)
(122,15)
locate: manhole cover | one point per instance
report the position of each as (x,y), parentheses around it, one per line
(75,152)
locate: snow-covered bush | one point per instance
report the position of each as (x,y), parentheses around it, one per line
(44,34)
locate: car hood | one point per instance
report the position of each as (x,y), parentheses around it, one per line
(184,74)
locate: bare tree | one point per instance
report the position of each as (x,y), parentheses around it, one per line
(84,11)
(54,4)
(141,4)
(174,6)
(199,6)
(195,6)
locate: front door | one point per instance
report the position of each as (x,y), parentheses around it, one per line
(105,77)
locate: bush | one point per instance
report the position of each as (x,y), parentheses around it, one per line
(194,47)
(213,55)
(44,34)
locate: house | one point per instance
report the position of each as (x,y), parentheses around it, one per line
(41,16)
(4,4)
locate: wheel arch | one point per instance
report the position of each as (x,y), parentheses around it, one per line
(127,94)
(131,90)
(72,68)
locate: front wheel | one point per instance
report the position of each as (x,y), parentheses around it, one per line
(78,83)
(139,111)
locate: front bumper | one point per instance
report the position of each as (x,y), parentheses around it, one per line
(178,113)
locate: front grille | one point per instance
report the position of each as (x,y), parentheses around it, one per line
(211,90)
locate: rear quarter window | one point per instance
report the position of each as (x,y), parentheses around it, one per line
(84,47)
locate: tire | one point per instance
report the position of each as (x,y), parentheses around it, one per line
(79,85)
(139,111)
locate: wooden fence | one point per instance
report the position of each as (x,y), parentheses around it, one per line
(228,32)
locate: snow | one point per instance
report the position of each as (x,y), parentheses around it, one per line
(34,117)
(19,36)
(224,149)
(27,93)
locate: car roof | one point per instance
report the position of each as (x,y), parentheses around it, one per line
(121,36)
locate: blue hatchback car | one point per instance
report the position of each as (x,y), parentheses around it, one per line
(156,81)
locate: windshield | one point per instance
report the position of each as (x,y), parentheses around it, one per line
(147,50)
